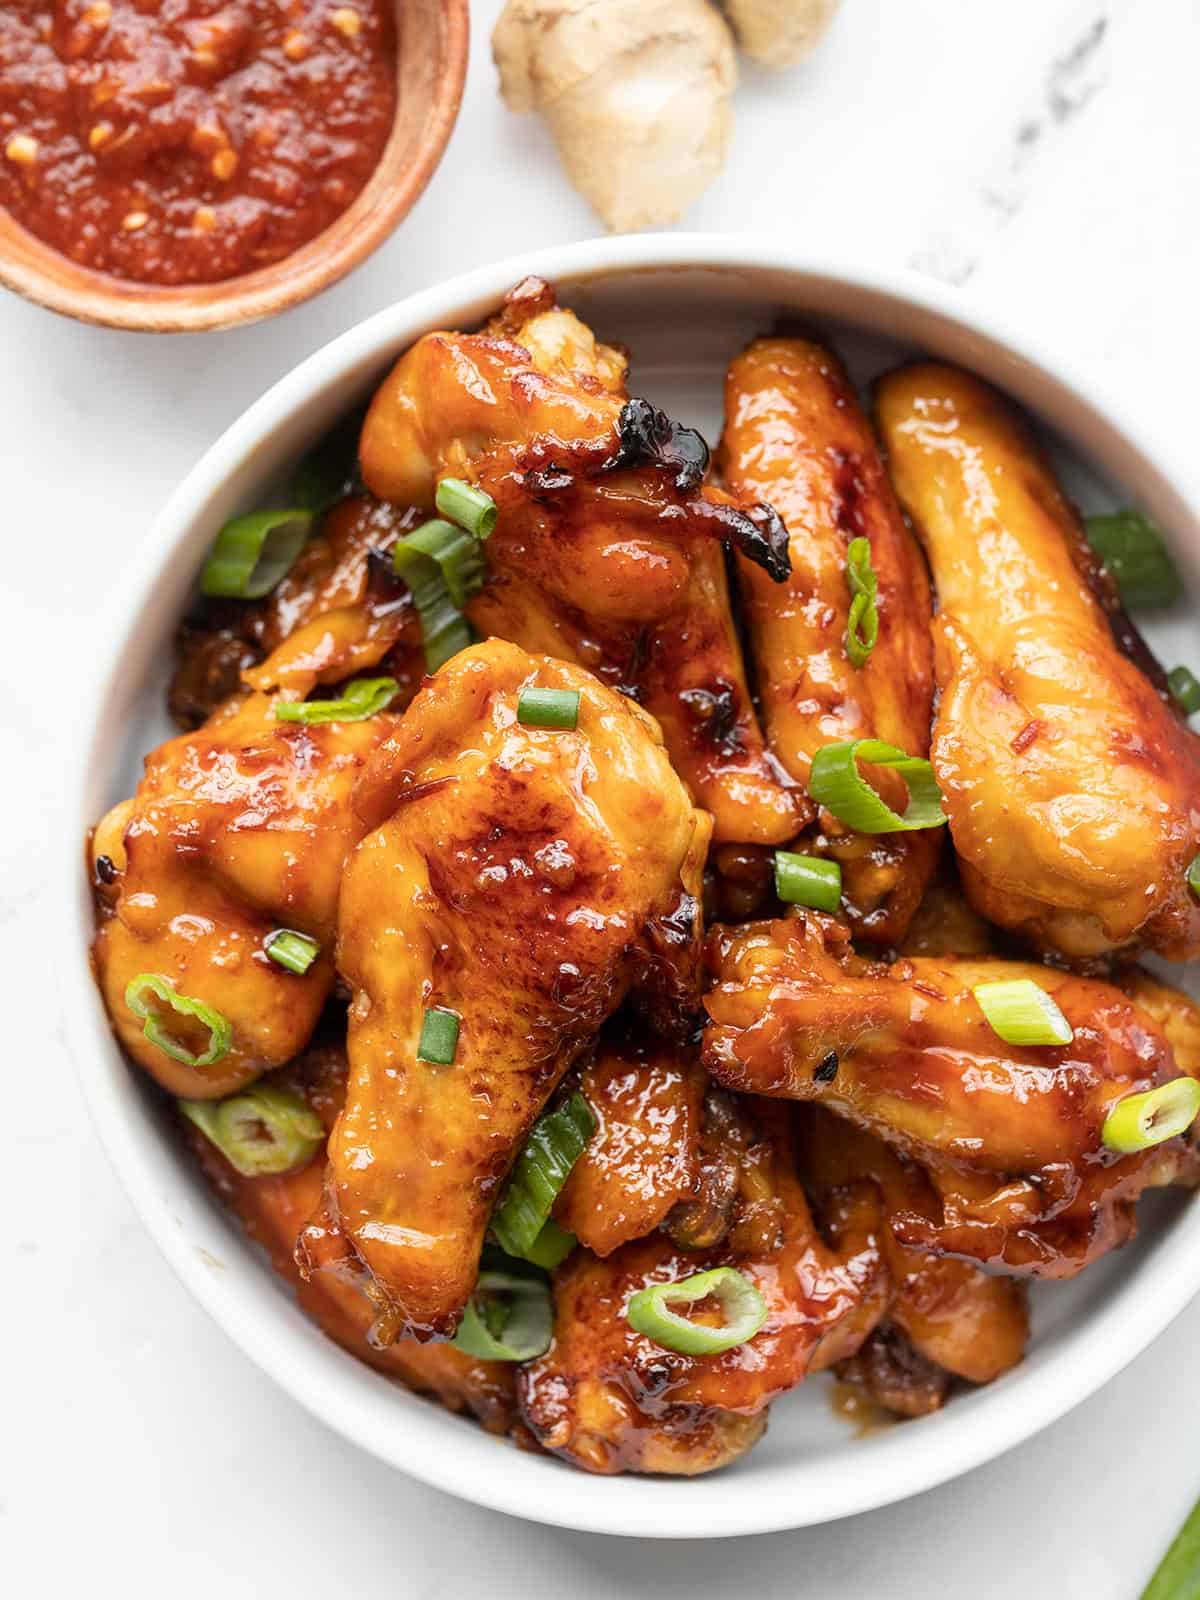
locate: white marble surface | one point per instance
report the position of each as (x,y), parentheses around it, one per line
(1045,155)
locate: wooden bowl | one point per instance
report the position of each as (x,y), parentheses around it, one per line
(431,65)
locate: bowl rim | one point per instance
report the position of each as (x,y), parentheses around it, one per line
(873,1473)
(372,216)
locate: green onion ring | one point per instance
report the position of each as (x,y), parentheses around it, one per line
(363,698)
(295,951)
(507,1318)
(1021,1012)
(252,553)
(807,881)
(1185,689)
(551,1247)
(1193,875)
(261,1131)
(470,507)
(835,782)
(1132,549)
(862,624)
(443,567)
(1141,1121)
(1177,1576)
(745,1312)
(438,1043)
(220,1031)
(548,708)
(556,1143)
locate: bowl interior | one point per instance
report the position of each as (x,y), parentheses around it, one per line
(682,326)
(432,38)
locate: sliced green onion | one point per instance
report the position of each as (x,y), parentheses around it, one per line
(1132,549)
(220,1031)
(261,1131)
(329,469)
(558,1140)
(1185,687)
(252,553)
(1142,1120)
(363,698)
(454,552)
(548,708)
(470,507)
(508,1318)
(443,567)
(808,881)
(551,1247)
(744,1310)
(295,951)
(439,1037)
(1177,1576)
(1021,1012)
(862,625)
(1193,875)
(835,782)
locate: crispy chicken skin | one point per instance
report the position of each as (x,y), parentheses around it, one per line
(796,437)
(605,552)
(953,1315)
(644,1157)
(338,612)
(236,830)
(523,878)
(611,1400)
(1010,1135)
(1072,788)
(273,1212)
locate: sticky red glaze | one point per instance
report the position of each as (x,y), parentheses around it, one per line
(237,129)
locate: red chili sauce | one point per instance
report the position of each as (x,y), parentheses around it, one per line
(186,141)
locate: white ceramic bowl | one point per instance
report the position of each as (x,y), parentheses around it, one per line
(683,304)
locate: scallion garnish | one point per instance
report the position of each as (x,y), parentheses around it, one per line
(808,881)
(742,1307)
(1141,1121)
(548,708)
(551,1247)
(295,951)
(1177,1576)
(508,1318)
(1132,549)
(1021,1012)
(252,553)
(1185,687)
(1193,875)
(470,507)
(862,625)
(558,1140)
(439,1037)
(835,782)
(363,698)
(261,1131)
(220,1032)
(443,567)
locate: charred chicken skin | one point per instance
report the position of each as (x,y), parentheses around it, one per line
(1010,1135)
(523,879)
(425,962)
(796,437)
(1072,786)
(606,551)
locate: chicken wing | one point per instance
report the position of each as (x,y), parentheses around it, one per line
(273,1212)
(1009,1135)
(236,830)
(643,1158)
(1072,787)
(605,552)
(954,1316)
(611,1400)
(796,437)
(522,878)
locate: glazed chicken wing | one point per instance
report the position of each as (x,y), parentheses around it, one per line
(611,1400)
(1010,1135)
(274,1210)
(605,553)
(522,878)
(796,437)
(236,830)
(1072,787)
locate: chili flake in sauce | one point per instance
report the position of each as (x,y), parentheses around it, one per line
(187,141)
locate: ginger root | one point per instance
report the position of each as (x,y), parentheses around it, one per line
(778,33)
(636,93)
